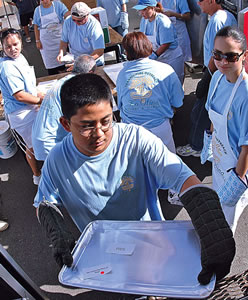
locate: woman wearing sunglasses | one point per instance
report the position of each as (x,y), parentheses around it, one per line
(227,107)
(48,19)
(18,86)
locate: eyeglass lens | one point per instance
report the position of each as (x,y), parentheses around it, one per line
(230,57)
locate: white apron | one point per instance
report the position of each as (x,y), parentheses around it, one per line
(172,57)
(224,158)
(50,36)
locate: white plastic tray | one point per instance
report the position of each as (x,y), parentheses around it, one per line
(145,258)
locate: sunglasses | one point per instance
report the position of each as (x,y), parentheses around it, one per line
(8,31)
(229,57)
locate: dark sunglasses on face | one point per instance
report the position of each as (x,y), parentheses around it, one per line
(229,57)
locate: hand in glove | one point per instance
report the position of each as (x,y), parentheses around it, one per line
(51,219)
(232,190)
(207,153)
(216,238)
(124,20)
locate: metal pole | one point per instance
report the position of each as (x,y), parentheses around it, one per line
(6,12)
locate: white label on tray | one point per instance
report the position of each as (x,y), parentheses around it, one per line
(123,249)
(96,270)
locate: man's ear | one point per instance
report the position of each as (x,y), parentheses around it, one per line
(65,123)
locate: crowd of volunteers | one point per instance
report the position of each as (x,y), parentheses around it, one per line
(100,169)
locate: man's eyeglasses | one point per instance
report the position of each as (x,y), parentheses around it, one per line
(229,57)
(87,131)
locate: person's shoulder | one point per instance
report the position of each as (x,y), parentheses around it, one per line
(216,75)
(58,152)
(163,19)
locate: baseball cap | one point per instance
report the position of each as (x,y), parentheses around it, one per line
(80,9)
(145,3)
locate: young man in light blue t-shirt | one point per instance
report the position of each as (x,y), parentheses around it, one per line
(107,171)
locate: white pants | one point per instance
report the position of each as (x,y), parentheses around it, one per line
(22,121)
(164,132)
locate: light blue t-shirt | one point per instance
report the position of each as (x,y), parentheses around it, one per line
(83,39)
(47,130)
(16,75)
(147,91)
(165,30)
(113,10)
(179,6)
(60,10)
(119,184)
(217,21)
(237,124)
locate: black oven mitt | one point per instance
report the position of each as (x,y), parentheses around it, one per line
(216,237)
(51,219)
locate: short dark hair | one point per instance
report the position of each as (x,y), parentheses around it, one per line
(82,90)
(136,45)
(235,33)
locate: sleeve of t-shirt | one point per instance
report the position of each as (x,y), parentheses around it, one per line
(183,6)
(47,189)
(211,87)
(60,9)
(36,18)
(97,38)
(164,168)
(165,32)
(243,139)
(13,80)
(176,90)
(65,30)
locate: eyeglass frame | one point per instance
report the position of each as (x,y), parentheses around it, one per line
(87,132)
(225,56)
(92,129)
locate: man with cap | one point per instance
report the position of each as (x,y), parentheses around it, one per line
(83,34)
(47,130)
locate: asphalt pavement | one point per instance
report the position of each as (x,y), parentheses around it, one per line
(26,242)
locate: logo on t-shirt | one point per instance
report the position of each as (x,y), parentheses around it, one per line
(127,183)
(141,85)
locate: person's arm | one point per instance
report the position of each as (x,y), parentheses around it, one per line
(162,49)
(191,181)
(37,37)
(62,50)
(11,3)
(183,17)
(242,164)
(216,238)
(97,53)
(68,13)
(28,98)
(52,221)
